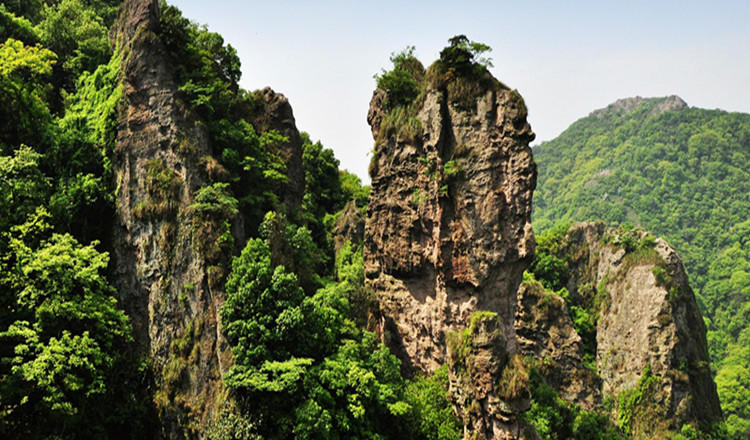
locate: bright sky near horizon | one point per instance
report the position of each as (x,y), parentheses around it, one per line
(566,58)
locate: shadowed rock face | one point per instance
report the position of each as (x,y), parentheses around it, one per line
(154,251)
(448,234)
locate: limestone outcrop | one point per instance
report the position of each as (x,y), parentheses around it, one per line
(448,234)
(649,321)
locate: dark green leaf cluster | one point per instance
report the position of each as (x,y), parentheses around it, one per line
(464,57)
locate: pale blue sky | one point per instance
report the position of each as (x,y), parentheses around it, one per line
(566,58)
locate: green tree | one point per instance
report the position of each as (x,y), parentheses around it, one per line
(465,57)
(77,34)
(403,82)
(23,187)
(62,335)
(25,117)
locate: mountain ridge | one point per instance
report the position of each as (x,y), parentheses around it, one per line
(681,174)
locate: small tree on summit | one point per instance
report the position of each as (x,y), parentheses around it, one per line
(465,57)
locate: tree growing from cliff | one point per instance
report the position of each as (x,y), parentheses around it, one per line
(317,374)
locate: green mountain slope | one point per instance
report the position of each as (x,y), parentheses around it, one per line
(681,173)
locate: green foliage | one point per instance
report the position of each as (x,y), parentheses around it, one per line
(318,375)
(462,72)
(324,194)
(232,426)
(16,27)
(354,393)
(81,157)
(77,33)
(212,215)
(352,189)
(350,274)
(61,335)
(549,266)
(256,295)
(465,57)
(554,418)
(431,415)
(23,187)
(514,382)
(451,169)
(459,342)
(635,402)
(29,10)
(25,117)
(293,247)
(677,174)
(402,83)
(207,72)
(66,367)
(163,186)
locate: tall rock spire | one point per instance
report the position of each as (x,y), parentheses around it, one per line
(448,237)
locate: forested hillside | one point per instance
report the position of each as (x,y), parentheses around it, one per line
(682,173)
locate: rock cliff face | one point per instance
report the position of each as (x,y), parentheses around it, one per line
(448,234)
(170,288)
(649,326)
(649,319)
(156,263)
(272,111)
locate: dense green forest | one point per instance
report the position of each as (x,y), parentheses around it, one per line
(682,174)
(293,309)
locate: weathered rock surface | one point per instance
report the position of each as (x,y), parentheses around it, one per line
(156,263)
(648,319)
(350,227)
(170,286)
(448,233)
(545,332)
